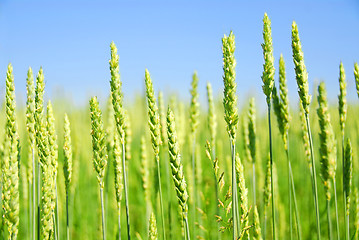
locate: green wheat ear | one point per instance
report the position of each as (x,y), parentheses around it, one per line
(30,120)
(305,136)
(176,165)
(268,66)
(152,229)
(301,73)
(98,141)
(51,131)
(327,141)
(267,192)
(252,128)
(342,97)
(212,118)
(10,179)
(229,80)
(116,92)
(162,113)
(145,172)
(194,108)
(348,169)
(356,75)
(67,148)
(154,117)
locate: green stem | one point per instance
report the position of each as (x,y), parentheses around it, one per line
(314,178)
(67,217)
(160,193)
(271,169)
(33,195)
(125,188)
(336,207)
(235,214)
(187,228)
(290,198)
(194,199)
(38,199)
(54,222)
(329,220)
(30,210)
(344,196)
(119,221)
(265,223)
(254,183)
(57,212)
(103,215)
(295,204)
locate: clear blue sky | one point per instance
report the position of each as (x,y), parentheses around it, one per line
(172,39)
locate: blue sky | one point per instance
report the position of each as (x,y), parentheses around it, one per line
(172,39)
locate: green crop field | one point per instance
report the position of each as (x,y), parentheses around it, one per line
(163,168)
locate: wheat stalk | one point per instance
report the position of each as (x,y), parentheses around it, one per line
(67,149)
(53,148)
(30,126)
(10,190)
(177,168)
(327,148)
(42,140)
(212,118)
(268,82)
(155,126)
(119,115)
(267,193)
(99,151)
(231,114)
(347,171)
(301,76)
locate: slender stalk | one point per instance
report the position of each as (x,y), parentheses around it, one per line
(103,215)
(57,212)
(125,186)
(160,193)
(194,212)
(254,182)
(33,197)
(271,168)
(38,198)
(55,230)
(293,194)
(295,204)
(290,198)
(187,228)
(235,214)
(30,210)
(265,224)
(329,220)
(336,207)
(314,179)
(67,217)
(119,222)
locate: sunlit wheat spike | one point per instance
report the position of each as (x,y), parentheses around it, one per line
(152,228)
(348,169)
(51,131)
(327,141)
(162,113)
(98,141)
(128,135)
(145,171)
(153,115)
(212,117)
(243,196)
(30,118)
(257,233)
(229,80)
(67,149)
(301,73)
(194,108)
(10,178)
(342,97)
(356,76)
(117,163)
(116,92)
(252,128)
(268,66)
(284,103)
(175,161)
